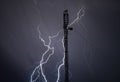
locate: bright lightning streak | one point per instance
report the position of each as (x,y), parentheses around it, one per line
(39,68)
(42,62)
(80,14)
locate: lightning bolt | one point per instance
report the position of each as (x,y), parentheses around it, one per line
(39,69)
(80,14)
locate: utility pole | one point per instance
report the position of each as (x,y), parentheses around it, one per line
(66,29)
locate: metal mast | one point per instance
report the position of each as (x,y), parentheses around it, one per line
(66,28)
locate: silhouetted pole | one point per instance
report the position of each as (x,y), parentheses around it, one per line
(66,28)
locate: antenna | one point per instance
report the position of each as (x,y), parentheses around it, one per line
(66,29)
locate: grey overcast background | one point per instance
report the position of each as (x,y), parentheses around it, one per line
(94,44)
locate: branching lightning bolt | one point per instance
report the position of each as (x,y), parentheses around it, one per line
(39,68)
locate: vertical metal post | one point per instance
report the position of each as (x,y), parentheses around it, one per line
(65,27)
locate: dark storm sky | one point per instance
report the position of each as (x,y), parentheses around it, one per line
(94,44)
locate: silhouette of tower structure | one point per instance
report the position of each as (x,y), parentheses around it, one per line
(66,29)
